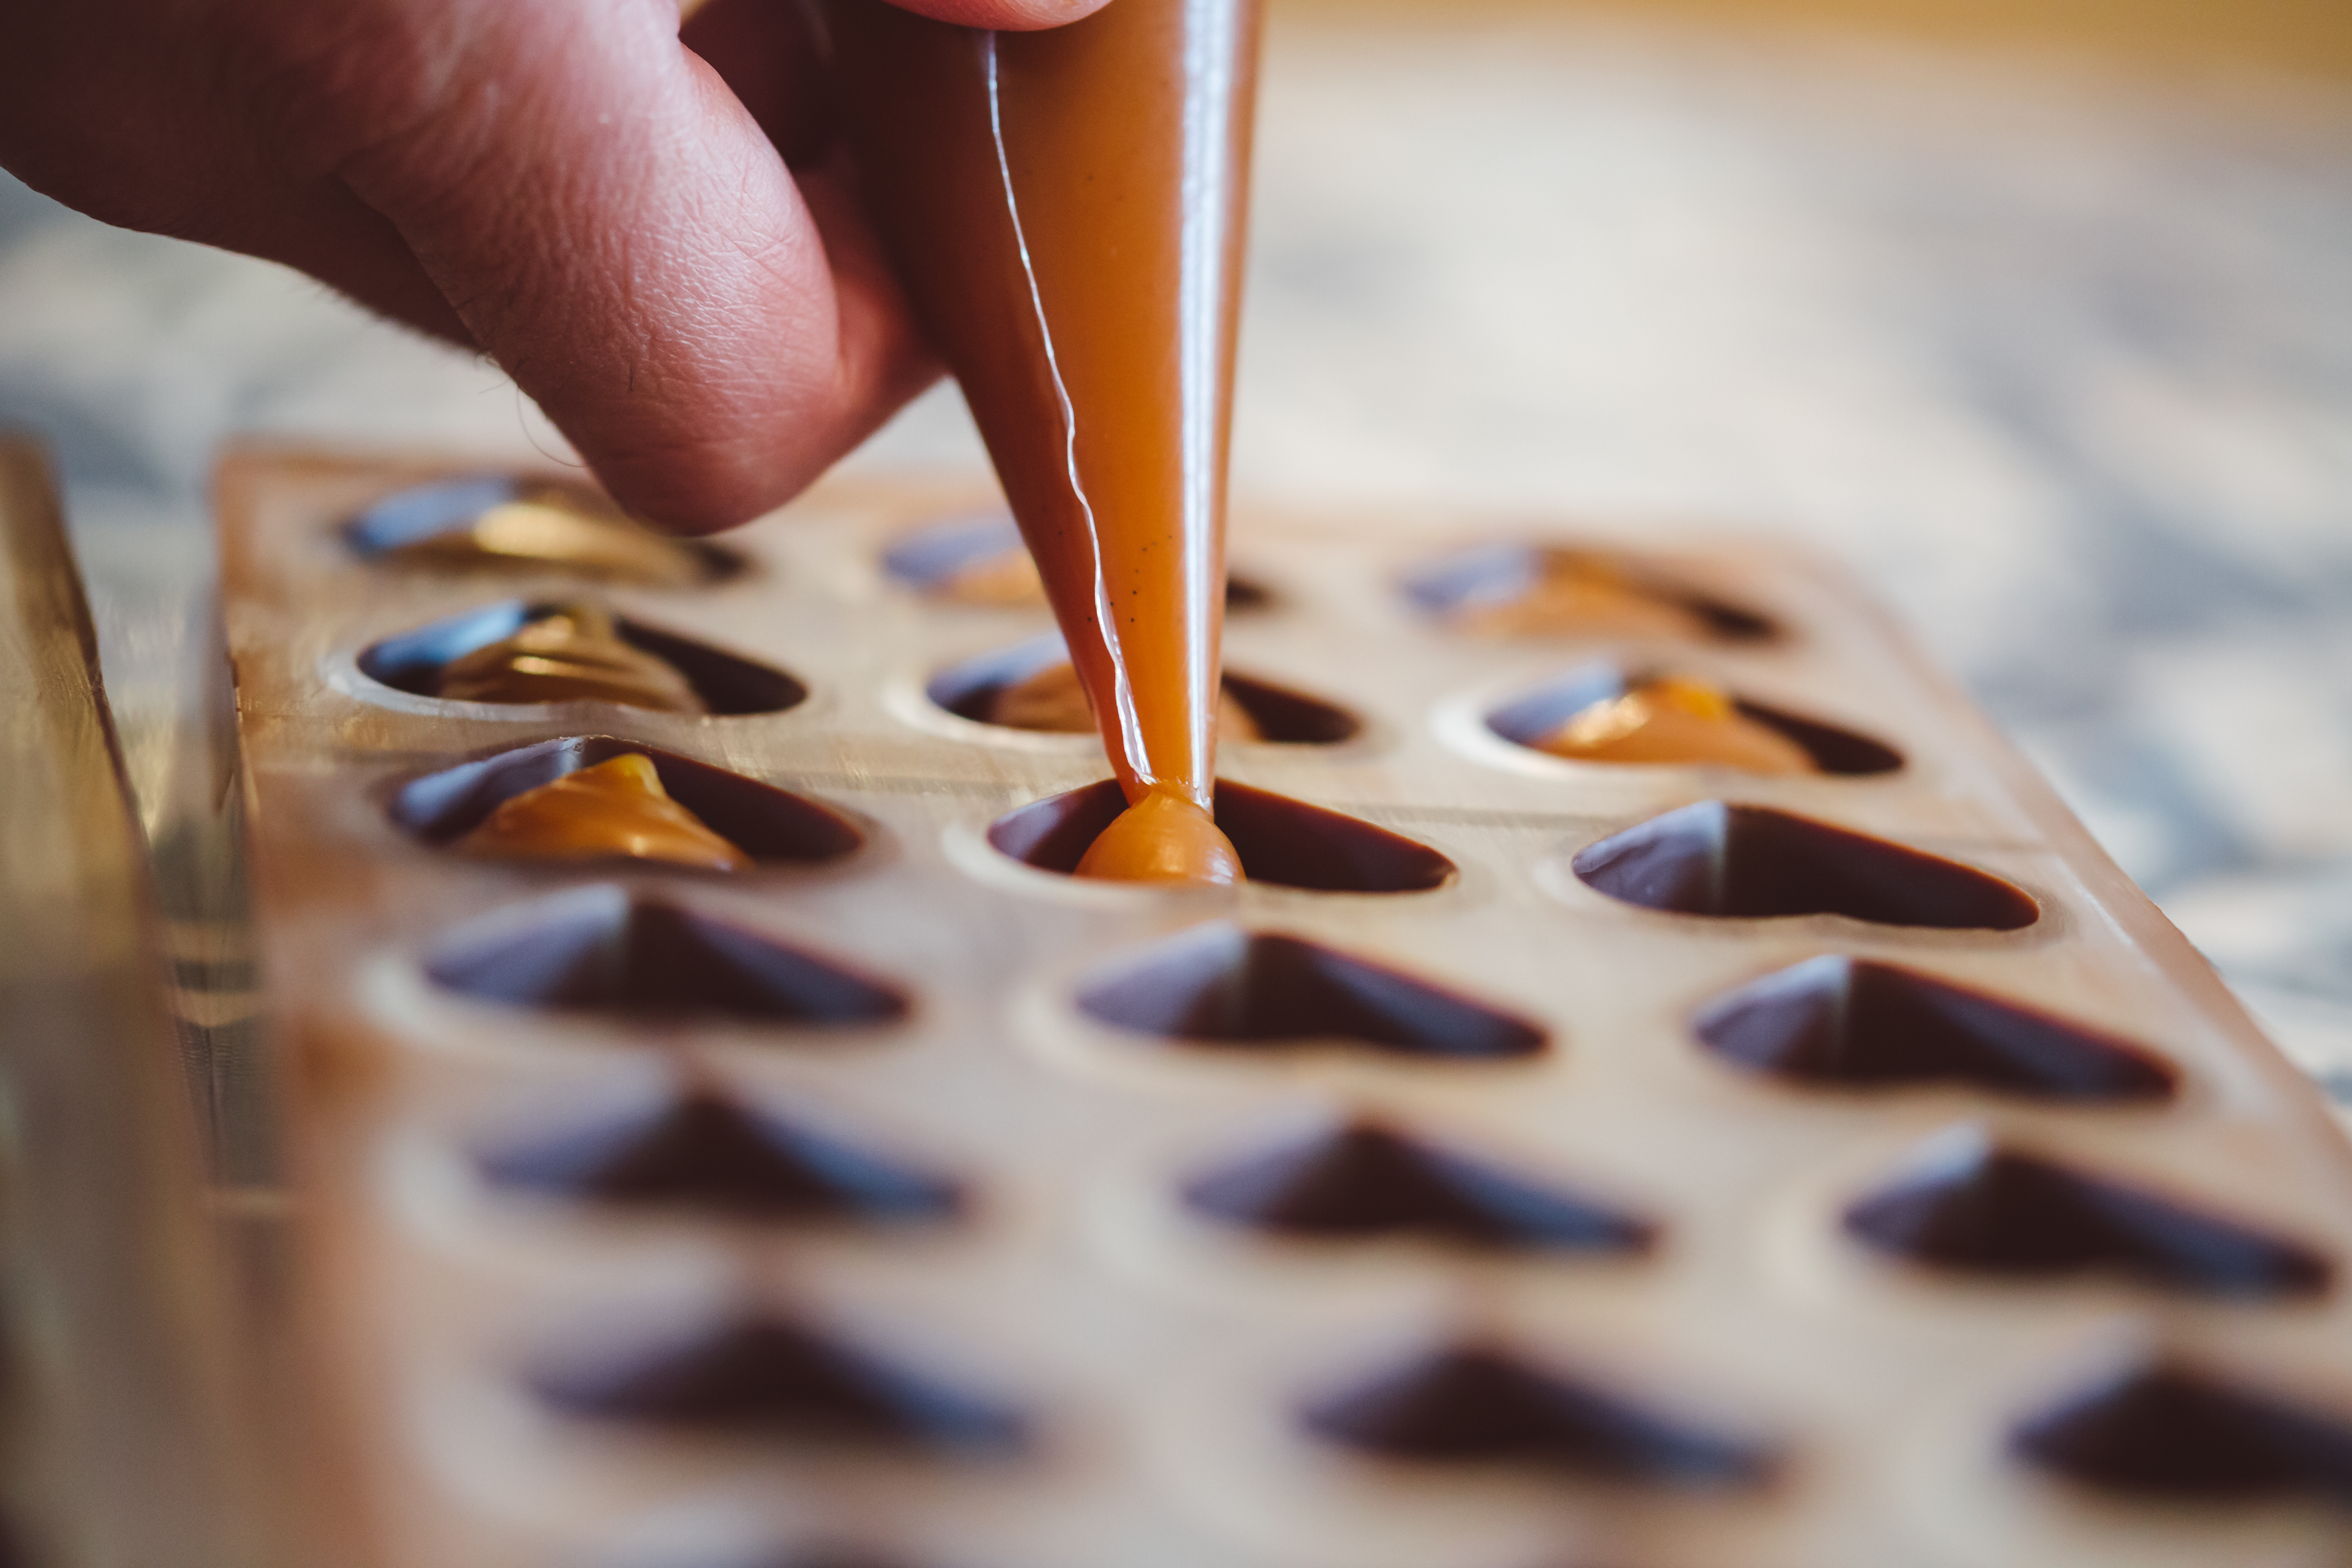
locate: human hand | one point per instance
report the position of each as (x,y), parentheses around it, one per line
(642,224)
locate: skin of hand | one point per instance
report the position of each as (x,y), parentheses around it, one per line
(642,221)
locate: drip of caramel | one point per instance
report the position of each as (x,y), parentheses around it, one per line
(1578,594)
(1064,208)
(1052,700)
(555,527)
(617,808)
(1671,720)
(1163,837)
(570,654)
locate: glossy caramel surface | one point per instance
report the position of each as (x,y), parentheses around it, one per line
(1578,594)
(569,654)
(617,808)
(1163,837)
(1673,720)
(555,527)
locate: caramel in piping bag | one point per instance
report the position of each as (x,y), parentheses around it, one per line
(1066,210)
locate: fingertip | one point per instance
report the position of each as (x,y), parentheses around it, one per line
(749,458)
(697,486)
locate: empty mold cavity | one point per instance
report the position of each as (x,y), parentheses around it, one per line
(500,521)
(1364,1180)
(1750,862)
(605,951)
(759,1376)
(703,1150)
(1283,717)
(1841,1022)
(1529,718)
(1474,1405)
(1221,986)
(1280,841)
(727,685)
(772,825)
(1970,1206)
(2168,1433)
(981,558)
(1469,586)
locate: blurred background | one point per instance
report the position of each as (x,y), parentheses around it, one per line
(2038,313)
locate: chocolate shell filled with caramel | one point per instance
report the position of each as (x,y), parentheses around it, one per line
(615,808)
(1675,720)
(569,653)
(520,523)
(1533,591)
(1577,594)
(1634,717)
(1052,700)
(1066,209)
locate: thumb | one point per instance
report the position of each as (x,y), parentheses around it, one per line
(615,228)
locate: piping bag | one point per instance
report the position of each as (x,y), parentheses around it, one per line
(1066,210)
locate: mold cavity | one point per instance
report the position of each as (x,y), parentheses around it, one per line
(1364,1180)
(1221,985)
(1971,1205)
(601,949)
(770,826)
(826,1555)
(706,1152)
(1471,1404)
(1750,862)
(1847,1022)
(520,652)
(1280,841)
(1032,685)
(767,1377)
(498,520)
(2168,1433)
(1603,713)
(981,560)
(1540,590)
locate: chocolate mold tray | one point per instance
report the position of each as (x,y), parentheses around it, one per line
(1538,1164)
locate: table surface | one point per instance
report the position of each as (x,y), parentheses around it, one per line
(2057,356)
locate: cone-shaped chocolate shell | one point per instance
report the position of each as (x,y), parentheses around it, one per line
(1474,1406)
(759,1375)
(1974,1207)
(2167,1432)
(1364,1180)
(705,1152)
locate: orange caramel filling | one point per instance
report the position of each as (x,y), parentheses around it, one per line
(554,527)
(1579,594)
(1052,699)
(1066,209)
(1163,837)
(615,808)
(570,654)
(1008,578)
(1673,720)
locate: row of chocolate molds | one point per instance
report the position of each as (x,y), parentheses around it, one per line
(814,617)
(1861,1404)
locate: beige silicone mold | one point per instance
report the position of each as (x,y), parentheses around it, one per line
(1162,1355)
